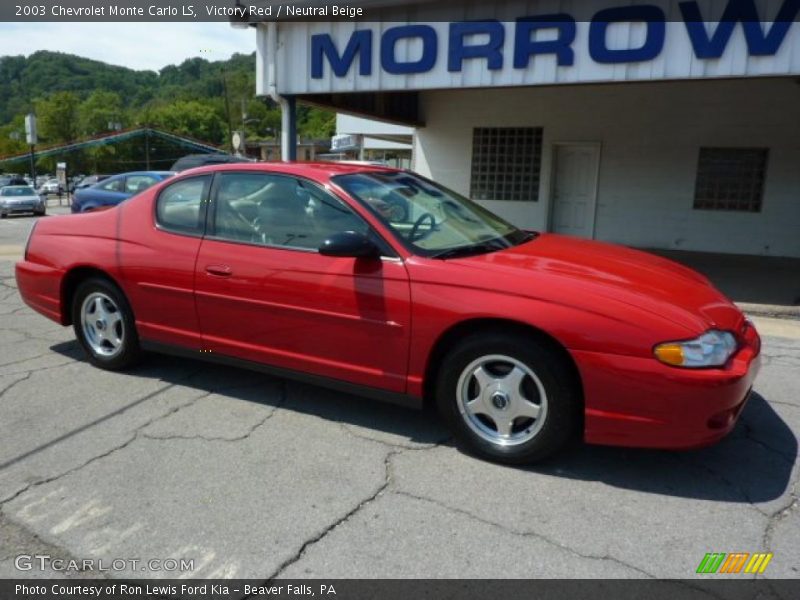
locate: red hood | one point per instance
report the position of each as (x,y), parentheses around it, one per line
(581,272)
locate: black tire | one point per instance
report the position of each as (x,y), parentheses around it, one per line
(562,420)
(129,351)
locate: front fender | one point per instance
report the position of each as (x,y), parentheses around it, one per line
(614,328)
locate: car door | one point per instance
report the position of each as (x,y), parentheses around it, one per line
(264,293)
(159,238)
(108,193)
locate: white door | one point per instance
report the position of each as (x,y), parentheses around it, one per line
(575,188)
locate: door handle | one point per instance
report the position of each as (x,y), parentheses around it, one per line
(219,270)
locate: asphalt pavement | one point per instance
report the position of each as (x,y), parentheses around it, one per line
(252,476)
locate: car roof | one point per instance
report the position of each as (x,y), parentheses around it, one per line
(166,173)
(322,171)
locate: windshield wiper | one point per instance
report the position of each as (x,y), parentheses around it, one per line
(472,249)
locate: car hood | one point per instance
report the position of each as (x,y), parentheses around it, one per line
(601,277)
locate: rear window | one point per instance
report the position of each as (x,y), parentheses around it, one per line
(181,206)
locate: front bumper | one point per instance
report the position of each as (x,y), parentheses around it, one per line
(640,402)
(32,207)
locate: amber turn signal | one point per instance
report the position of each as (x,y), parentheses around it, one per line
(671,354)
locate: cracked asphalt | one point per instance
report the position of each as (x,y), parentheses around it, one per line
(256,477)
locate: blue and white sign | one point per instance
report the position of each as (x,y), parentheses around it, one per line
(633,41)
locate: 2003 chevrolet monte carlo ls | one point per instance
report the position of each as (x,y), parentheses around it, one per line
(381,282)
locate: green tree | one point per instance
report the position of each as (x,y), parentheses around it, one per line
(98,110)
(187,117)
(316,123)
(12,137)
(57,117)
(77,98)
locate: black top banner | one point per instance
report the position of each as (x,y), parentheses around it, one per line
(394,589)
(255,11)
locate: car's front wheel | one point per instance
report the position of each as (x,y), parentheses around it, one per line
(508,397)
(104,325)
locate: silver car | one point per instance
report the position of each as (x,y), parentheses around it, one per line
(50,186)
(20,199)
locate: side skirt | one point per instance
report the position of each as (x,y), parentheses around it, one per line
(346,387)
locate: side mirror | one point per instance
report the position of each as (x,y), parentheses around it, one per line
(349,244)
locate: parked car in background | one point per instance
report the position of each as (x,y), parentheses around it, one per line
(190,161)
(11,180)
(113,190)
(20,199)
(74,181)
(89,181)
(51,186)
(523,340)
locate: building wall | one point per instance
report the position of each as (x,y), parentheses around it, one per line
(674,58)
(650,135)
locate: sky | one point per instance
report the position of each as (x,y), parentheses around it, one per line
(134,45)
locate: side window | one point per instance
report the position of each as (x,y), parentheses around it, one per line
(138,183)
(278,210)
(180,206)
(115,185)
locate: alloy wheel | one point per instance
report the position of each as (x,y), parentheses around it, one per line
(502,400)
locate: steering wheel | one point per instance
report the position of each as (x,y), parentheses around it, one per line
(412,236)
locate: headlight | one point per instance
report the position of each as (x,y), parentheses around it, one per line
(712,349)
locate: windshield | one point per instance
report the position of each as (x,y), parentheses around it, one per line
(432,220)
(17,191)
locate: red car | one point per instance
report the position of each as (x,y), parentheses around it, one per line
(523,340)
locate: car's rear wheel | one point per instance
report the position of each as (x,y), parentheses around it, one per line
(104,325)
(508,397)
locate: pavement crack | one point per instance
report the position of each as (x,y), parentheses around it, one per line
(782,403)
(11,385)
(23,360)
(749,434)
(724,480)
(41,482)
(38,369)
(527,534)
(777,517)
(261,422)
(415,447)
(387,479)
(134,436)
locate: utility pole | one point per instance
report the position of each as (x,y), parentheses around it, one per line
(31,137)
(147,147)
(33,164)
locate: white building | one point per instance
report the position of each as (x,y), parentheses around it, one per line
(376,140)
(635,124)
